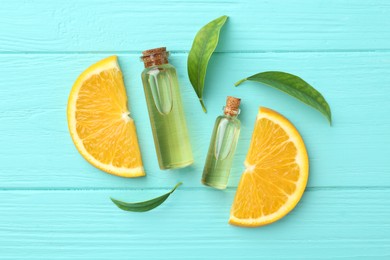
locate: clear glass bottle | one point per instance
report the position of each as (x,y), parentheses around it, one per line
(165,108)
(222,146)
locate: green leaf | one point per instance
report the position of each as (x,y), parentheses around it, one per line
(144,205)
(205,42)
(294,86)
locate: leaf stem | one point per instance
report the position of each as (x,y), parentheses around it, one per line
(240,81)
(177,185)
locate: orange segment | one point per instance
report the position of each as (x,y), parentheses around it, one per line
(277,169)
(100,123)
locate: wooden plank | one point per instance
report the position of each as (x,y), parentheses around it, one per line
(78,26)
(37,150)
(192,224)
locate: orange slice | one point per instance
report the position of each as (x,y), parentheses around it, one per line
(277,169)
(100,123)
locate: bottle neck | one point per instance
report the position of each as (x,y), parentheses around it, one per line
(155,57)
(230,112)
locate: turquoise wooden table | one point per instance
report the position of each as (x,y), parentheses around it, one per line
(54,205)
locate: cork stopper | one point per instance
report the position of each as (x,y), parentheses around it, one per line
(232,106)
(155,57)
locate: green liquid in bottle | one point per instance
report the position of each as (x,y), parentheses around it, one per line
(166,115)
(221,151)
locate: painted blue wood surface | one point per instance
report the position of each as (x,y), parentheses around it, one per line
(54,205)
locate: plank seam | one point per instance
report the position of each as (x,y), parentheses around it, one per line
(309,189)
(187,51)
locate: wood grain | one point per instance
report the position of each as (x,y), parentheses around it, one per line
(54,205)
(90,26)
(191,224)
(38,151)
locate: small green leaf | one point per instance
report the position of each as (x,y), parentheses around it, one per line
(294,86)
(205,42)
(144,205)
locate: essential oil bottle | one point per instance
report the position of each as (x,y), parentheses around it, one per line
(222,146)
(165,109)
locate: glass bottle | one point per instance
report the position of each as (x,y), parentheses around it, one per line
(165,108)
(222,146)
